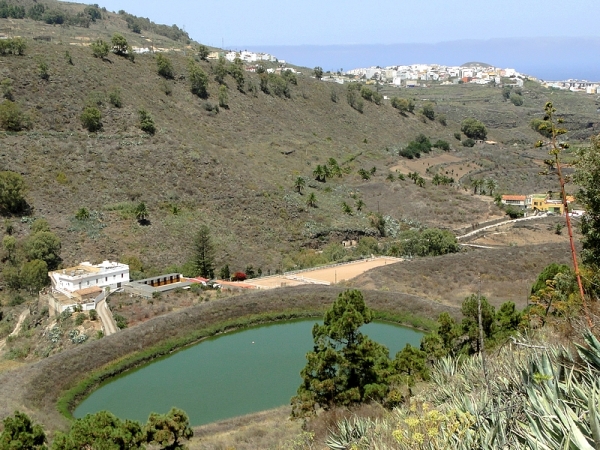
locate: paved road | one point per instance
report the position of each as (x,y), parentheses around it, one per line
(471,233)
(106,317)
(22,317)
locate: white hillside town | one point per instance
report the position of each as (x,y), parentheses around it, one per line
(409,76)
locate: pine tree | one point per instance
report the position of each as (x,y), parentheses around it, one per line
(204,253)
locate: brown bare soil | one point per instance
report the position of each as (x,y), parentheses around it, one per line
(506,274)
(333,275)
(266,429)
(534,232)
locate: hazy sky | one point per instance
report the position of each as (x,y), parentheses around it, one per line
(240,23)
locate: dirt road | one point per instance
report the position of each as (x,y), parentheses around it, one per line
(14,332)
(108,323)
(326,275)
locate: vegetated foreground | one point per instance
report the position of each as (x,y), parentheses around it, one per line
(38,386)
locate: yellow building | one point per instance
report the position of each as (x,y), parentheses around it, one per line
(543,203)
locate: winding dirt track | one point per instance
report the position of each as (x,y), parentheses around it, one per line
(14,332)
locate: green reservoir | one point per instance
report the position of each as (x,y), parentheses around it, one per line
(226,376)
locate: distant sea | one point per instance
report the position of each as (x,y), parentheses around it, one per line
(549,59)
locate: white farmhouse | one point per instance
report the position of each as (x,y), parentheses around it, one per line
(84,285)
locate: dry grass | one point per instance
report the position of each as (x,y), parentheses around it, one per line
(506,274)
(233,171)
(271,429)
(37,387)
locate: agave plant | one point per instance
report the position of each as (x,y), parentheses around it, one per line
(350,434)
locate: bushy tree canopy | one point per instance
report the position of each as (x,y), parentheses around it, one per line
(12,190)
(21,433)
(101,430)
(164,66)
(198,80)
(587,176)
(474,129)
(44,246)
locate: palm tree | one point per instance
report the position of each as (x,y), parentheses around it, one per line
(311,201)
(299,184)
(346,208)
(141,213)
(477,185)
(319,173)
(491,186)
(359,204)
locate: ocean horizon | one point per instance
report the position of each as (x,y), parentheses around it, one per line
(549,59)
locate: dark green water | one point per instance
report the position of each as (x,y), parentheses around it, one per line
(226,376)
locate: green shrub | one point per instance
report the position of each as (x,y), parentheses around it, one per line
(289,76)
(146,122)
(16,300)
(91,118)
(514,213)
(223,97)
(442,145)
(473,128)
(198,80)
(279,86)
(164,65)
(100,48)
(121,321)
(468,142)
(353,97)
(11,117)
(14,46)
(403,105)
(43,71)
(428,111)
(12,190)
(114,97)
(80,319)
(516,99)
(457,136)
(7,90)
(119,45)
(421,144)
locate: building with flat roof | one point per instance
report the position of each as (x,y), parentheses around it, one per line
(162,283)
(85,284)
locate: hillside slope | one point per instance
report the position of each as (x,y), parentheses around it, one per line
(233,170)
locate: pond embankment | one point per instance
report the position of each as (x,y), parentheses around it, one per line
(37,388)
